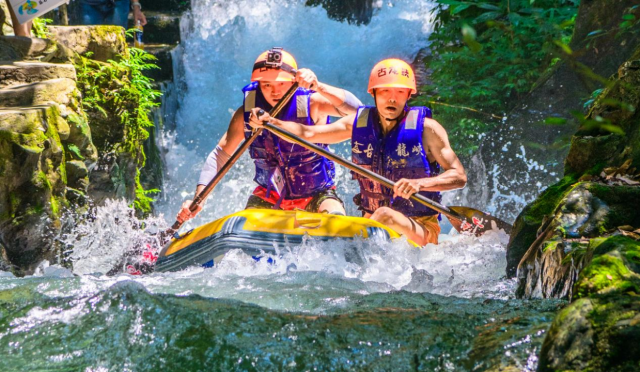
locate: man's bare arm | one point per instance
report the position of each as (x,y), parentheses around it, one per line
(436,140)
(334,101)
(331,133)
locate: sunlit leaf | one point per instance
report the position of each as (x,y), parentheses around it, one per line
(458,8)
(612,128)
(469,37)
(555,121)
(563,46)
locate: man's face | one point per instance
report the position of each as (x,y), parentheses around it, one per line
(391,101)
(274,90)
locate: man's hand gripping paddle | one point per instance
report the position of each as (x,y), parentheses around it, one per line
(463,219)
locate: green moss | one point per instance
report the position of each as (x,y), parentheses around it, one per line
(550,246)
(80,122)
(118,92)
(611,269)
(548,201)
(41,181)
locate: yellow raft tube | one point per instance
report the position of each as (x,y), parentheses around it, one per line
(257,231)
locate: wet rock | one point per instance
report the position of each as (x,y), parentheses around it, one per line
(164,61)
(600,331)
(586,211)
(32,183)
(77,175)
(573,338)
(102,43)
(17,73)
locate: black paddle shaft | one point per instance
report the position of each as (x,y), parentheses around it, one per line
(466,220)
(233,159)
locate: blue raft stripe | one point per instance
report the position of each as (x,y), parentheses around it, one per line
(233,236)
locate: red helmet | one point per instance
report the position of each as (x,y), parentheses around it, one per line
(274,65)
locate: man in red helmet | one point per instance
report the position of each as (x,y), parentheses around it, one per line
(288,176)
(399,142)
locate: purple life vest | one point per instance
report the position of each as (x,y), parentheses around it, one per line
(398,154)
(304,172)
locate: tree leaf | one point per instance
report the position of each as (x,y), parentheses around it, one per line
(488,16)
(555,121)
(488,6)
(458,8)
(612,128)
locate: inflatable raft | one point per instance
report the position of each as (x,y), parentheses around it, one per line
(258,231)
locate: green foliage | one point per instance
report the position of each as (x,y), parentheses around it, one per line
(119,88)
(73,149)
(39,27)
(487,54)
(143,202)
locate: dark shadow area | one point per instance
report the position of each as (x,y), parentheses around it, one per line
(358,12)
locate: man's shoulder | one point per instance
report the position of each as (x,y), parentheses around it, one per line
(432,125)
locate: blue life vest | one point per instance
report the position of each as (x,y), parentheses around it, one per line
(398,154)
(304,172)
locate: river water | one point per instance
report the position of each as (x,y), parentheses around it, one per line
(363,305)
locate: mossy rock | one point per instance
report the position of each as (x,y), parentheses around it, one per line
(614,268)
(595,147)
(101,43)
(594,334)
(526,227)
(32,183)
(585,211)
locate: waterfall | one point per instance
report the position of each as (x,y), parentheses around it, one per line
(221,40)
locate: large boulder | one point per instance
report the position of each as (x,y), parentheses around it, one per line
(523,155)
(586,211)
(600,331)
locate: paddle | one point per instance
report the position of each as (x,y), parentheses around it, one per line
(232,160)
(147,266)
(463,219)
